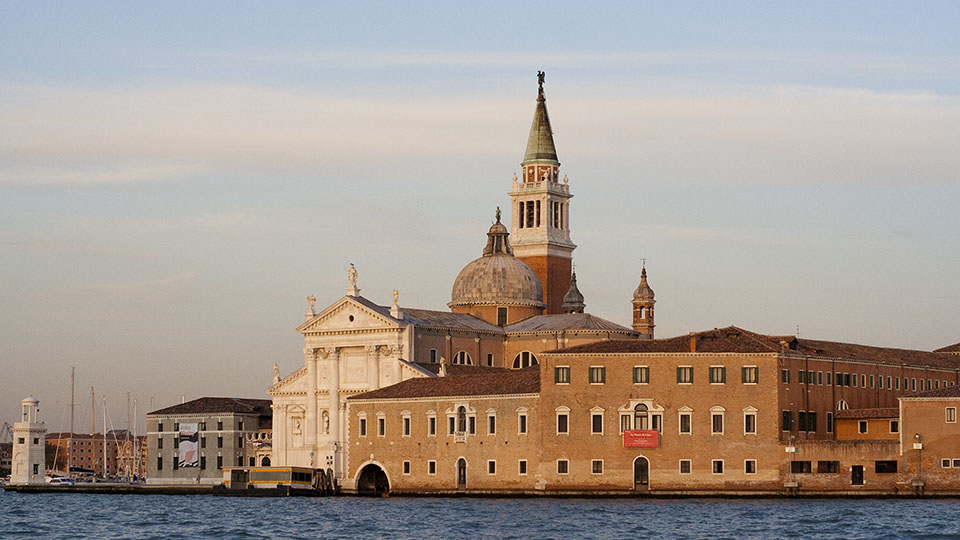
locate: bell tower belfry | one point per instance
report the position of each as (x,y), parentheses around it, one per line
(540,231)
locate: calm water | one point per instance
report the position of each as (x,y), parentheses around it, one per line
(164,516)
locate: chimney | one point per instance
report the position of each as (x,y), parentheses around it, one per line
(693,342)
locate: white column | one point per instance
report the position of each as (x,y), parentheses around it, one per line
(373,366)
(333,405)
(279,444)
(310,422)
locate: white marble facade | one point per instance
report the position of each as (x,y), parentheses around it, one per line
(349,348)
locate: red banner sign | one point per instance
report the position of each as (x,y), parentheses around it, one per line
(641,438)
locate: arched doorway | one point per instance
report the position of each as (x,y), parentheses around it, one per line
(372,481)
(265,462)
(641,474)
(461,474)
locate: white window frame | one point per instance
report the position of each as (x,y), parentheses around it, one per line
(406,468)
(521,467)
(406,423)
(603,371)
(567,462)
(713,469)
(593,462)
(362,425)
(680,466)
(750,411)
(432,415)
(950,415)
(523,427)
(434,462)
(566,369)
(643,369)
(381,423)
(462,358)
(745,466)
(756,373)
(721,412)
(597,411)
(723,372)
(681,412)
(492,462)
(691,374)
(491,426)
(562,411)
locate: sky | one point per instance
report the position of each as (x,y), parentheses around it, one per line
(177,177)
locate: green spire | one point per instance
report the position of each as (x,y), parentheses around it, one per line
(540,148)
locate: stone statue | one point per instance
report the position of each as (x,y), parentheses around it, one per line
(396,296)
(326,422)
(540,76)
(312,300)
(352,275)
(276,373)
(498,214)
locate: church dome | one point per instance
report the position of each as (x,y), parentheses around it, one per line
(497,278)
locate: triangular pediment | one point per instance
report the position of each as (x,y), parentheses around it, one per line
(349,314)
(292,383)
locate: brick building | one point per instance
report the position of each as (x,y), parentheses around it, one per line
(721,411)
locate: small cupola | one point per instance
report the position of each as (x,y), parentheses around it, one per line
(573,300)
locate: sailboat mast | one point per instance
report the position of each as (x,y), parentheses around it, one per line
(93,413)
(73,373)
(104,437)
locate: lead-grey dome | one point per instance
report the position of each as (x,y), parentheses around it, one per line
(497,278)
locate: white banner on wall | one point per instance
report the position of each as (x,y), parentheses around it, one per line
(189,455)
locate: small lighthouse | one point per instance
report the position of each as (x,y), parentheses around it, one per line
(28,445)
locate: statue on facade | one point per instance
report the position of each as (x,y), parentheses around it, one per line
(498,214)
(276,373)
(312,300)
(396,297)
(326,423)
(540,76)
(352,275)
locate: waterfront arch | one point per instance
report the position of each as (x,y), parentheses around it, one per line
(372,479)
(641,474)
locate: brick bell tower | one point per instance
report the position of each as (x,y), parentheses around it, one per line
(540,232)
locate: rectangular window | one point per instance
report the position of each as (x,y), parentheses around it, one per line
(522,423)
(176,427)
(363,427)
(889,380)
(522,467)
(871,381)
(203,462)
(432,426)
(810,379)
(598,374)
(894,426)
(811,421)
(897,383)
(431,467)
(406,467)
(718,375)
(252,461)
(716,423)
(828,467)
(750,423)
(945,463)
(219,442)
(656,422)
(219,462)
(684,466)
(160,426)
(800,467)
(641,375)
(801,379)
(203,442)
(717,466)
(220,425)
(501,316)
(159,463)
(854,380)
(491,467)
(750,466)
(785,376)
(596,466)
(913,384)
(829,378)
(491,424)
(802,421)
(240,425)
(787,421)
(748,374)
(956,463)
(596,423)
(624,422)
(950,415)
(159,443)
(433,356)
(820,378)
(452,425)
(381,427)
(863,381)
(489,359)
(472,422)
(862,426)
(685,423)
(563,466)
(563,423)
(406,426)
(829,422)
(885,467)
(561,375)
(684,375)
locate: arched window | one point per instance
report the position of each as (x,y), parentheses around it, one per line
(462,358)
(462,419)
(842,405)
(524,359)
(640,417)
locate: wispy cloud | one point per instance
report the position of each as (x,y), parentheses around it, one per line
(75,136)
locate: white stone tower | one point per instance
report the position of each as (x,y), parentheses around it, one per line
(28,445)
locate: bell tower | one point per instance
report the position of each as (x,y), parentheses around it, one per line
(540,231)
(643,301)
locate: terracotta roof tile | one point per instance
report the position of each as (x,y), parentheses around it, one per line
(945,392)
(884,412)
(207,405)
(567,321)
(955,348)
(495,382)
(737,340)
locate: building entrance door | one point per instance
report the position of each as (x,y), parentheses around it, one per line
(641,474)
(856,475)
(461,474)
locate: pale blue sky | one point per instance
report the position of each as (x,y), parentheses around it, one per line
(175,178)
